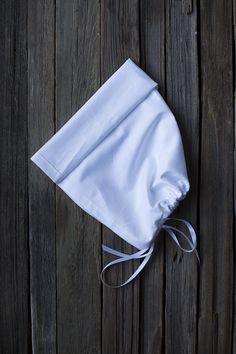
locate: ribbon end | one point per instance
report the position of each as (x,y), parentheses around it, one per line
(197,255)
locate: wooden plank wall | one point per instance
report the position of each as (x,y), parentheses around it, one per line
(54,55)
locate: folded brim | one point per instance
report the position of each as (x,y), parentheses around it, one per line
(83,133)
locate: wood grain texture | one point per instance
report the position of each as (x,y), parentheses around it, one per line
(183,98)
(41,28)
(152,328)
(216,189)
(54,55)
(120,311)
(78,234)
(234,177)
(14,254)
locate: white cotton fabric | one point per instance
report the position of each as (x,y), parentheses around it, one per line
(120,157)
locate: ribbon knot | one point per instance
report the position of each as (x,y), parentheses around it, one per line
(147,252)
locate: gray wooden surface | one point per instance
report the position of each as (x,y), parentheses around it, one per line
(54,55)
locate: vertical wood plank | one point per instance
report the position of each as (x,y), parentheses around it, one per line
(183,99)
(216,192)
(120,317)
(78,234)
(14,255)
(234,91)
(152,36)
(41,190)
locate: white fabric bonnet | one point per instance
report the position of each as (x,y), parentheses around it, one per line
(121,159)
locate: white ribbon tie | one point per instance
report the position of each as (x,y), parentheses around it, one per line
(147,252)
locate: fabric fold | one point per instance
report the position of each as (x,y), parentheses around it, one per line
(102,113)
(121,158)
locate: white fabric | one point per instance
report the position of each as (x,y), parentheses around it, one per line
(120,157)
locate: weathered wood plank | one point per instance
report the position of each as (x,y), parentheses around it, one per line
(41,23)
(183,99)
(216,189)
(14,255)
(234,93)
(152,36)
(120,316)
(78,234)
(158,312)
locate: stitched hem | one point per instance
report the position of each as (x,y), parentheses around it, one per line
(45,166)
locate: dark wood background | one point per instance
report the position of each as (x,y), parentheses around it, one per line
(54,55)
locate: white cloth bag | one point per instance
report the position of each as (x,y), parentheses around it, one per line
(121,159)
